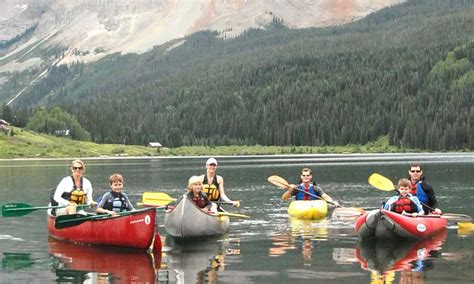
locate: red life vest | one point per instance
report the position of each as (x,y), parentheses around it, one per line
(306,195)
(413,189)
(199,201)
(404,204)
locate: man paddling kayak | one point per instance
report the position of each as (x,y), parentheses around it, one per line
(421,189)
(307,190)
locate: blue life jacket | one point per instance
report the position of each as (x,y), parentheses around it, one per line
(300,194)
(116,202)
(420,193)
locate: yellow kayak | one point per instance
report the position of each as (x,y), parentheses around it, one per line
(308,209)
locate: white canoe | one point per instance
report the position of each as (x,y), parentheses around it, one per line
(186,220)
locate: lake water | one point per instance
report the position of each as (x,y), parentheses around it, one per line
(268,247)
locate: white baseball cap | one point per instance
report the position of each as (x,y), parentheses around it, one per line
(211,161)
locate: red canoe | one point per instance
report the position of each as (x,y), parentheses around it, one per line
(112,265)
(134,230)
(385,224)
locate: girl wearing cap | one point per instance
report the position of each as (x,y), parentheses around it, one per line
(196,195)
(213,184)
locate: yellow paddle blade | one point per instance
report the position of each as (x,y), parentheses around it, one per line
(279,181)
(465,228)
(232,215)
(466,225)
(157,198)
(380,182)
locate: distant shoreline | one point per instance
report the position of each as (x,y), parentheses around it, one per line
(415,155)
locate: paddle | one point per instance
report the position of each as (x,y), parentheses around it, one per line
(232,215)
(151,205)
(347,213)
(281,182)
(163,199)
(157,198)
(21,209)
(380,182)
(71,220)
(458,218)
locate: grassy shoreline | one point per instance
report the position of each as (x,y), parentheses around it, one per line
(26,144)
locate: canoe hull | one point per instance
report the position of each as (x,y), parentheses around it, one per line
(386,224)
(308,209)
(186,220)
(135,230)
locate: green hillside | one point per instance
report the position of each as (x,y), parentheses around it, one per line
(22,143)
(28,144)
(405,72)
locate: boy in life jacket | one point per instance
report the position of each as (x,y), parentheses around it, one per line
(404,202)
(196,195)
(114,201)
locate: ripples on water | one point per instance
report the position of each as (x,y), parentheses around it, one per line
(268,247)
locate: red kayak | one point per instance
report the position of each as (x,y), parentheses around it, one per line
(386,224)
(112,265)
(136,229)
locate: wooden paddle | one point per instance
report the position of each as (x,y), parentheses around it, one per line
(380,182)
(163,199)
(21,209)
(232,215)
(282,183)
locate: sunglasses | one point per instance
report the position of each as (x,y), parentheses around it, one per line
(77,168)
(212,165)
(415,171)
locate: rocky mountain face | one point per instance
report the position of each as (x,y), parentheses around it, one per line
(88,30)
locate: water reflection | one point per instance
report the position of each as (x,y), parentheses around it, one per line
(305,234)
(78,264)
(412,259)
(194,262)
(300,234)
(13,261)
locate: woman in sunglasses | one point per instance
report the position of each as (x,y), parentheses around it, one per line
(73,190)
(421,189)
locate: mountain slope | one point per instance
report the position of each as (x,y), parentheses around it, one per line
(88,30)
(404,71)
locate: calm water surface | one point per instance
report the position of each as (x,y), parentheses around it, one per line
(268,247)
